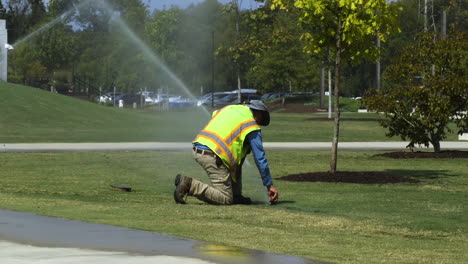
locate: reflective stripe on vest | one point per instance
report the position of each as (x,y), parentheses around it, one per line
(222,141)
(224,145)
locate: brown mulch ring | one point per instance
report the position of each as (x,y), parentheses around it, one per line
(341,118)
(449,154)
(360,177)
(373,177)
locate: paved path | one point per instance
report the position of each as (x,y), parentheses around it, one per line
(78,242)
(186,146)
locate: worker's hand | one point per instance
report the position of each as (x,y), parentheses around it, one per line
(272,194)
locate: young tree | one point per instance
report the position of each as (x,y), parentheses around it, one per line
(347,28)
(419,104)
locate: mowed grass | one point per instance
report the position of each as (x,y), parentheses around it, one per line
(338,222)
(345,223)
(32,115)
(357,127)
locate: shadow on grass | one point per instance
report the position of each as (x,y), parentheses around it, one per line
(279,202)
(284,202)
(422,174)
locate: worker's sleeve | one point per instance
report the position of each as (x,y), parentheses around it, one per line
(255,140)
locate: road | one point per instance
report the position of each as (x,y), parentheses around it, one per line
(186,146)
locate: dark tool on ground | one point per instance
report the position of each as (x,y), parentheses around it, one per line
(120,187)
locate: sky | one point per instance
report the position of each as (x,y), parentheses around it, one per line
(159,4)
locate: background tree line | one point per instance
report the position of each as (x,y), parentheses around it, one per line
(79,41)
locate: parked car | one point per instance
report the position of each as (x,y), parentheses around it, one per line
(206,99)
(266,95)
(149,96)
(162,98)
(250,96)
(130,99)
(179,102)
(107,97)
(225,98)
(275,95)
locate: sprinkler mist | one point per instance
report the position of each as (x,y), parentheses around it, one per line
(48,25)
(148,52)
(158,63)
(115,18)
(141,46)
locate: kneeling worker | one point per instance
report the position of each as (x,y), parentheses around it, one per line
(221,148)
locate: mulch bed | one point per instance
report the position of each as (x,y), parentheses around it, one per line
(341,119)
(360,177)
(372,177)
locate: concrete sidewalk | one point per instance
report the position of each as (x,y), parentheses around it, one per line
(33,238)
(187,146)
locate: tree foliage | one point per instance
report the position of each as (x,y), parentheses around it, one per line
(86,40)
(57,48)
(345,28)
(419,101)
(282,63)
(356,21)
(28,67)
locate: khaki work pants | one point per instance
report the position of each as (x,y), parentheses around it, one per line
(223,188)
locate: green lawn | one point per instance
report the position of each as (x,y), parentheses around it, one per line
(338,222)
(303,128)
(345,223)
(33,115)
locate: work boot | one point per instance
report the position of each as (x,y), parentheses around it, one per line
(242,200)
(182,184)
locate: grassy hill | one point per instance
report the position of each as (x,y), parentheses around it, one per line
(34,115)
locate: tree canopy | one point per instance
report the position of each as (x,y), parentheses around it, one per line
(426,91)
(345,28)
(84,38)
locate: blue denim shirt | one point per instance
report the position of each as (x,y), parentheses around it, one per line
(256,143)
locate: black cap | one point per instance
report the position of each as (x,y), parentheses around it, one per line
(258,105)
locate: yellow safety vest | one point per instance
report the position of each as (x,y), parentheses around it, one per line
(226,132)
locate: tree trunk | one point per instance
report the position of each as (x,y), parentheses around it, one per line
(435,141)
(336,129)
(322,86)
(377,70)
(436,146)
